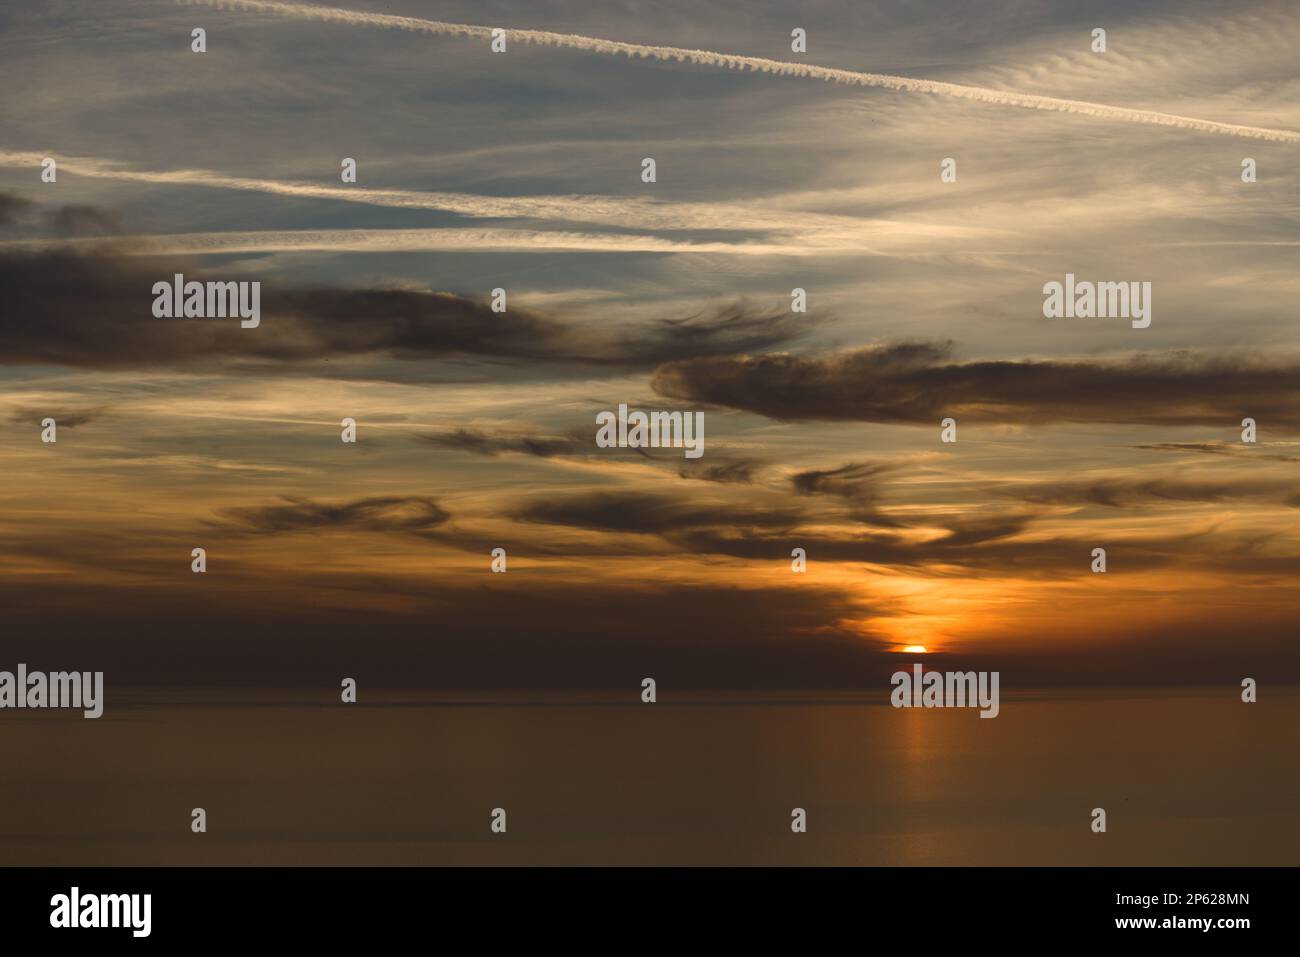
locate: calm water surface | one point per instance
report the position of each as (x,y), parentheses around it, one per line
(1187,777)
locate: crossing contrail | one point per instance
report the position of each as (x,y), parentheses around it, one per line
(304,11)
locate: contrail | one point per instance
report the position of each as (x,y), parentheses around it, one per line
(826,230)
(304,11)
(406,240)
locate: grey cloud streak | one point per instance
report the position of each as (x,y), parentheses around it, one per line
(920,383)
(94,310)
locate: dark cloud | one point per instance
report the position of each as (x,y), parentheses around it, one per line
(919,383)
(768,532)
(1220,448)
(13,208)
(1131,492)
(738,472)
(410,513)
(581,444)
(985,546)
(857,481)
(992,547)
(70,220)
(63,418)
(978,527)
(92,307)
(992,541)
(409,325)
(728,330)
(85,221)
(647,513)
(578,444)
(480,442)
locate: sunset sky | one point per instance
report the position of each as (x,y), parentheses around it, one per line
(522,170)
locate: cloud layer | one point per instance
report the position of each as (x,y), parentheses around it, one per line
(920,382)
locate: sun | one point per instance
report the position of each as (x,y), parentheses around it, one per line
(914,649)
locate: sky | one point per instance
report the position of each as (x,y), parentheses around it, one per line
(522,170)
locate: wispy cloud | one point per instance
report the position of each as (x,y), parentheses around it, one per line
(393,513)
(92,309)
(825,230)
(920,383)
(762,65)
(422,240)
